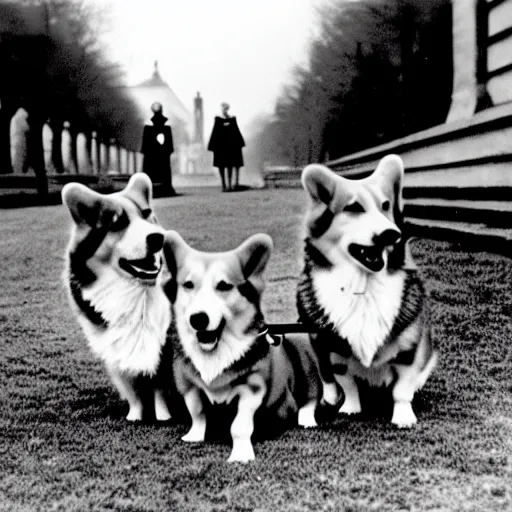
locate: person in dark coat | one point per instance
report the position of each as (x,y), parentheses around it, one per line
(157,146)
(226,143)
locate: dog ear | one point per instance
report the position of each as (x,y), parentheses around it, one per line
(319,181)
(390,173)
(140,189)
(175,249)
(88,207)
(254,254)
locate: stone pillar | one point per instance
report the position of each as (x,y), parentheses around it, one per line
(112,157)
(47,148)
(127,162)
(469,93)
(82,154)
(18,134)
(7,111)
(67,150)
(138,161)
(122,161)
(130,163)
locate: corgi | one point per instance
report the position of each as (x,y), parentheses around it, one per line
(223,355)
(114,278)
(361,293)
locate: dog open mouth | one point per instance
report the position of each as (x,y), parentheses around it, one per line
(372,257)
(146,268)
(208,340)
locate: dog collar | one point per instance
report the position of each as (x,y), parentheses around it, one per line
(271,339)
(249,292)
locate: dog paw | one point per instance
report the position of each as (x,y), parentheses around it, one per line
(162,413)
(161,410)
(242,452)
(134,414)
(194,435)
(403,415)
(350,407)
(307,417)
(326,412)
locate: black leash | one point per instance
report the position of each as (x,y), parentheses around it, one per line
(275,333)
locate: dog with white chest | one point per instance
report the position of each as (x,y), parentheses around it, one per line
(223,355)
(360,292)
(114,279)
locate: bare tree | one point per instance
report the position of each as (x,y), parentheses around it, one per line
(375,72)
(62,74)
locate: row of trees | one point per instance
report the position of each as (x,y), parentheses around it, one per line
(54,66)
(377,70)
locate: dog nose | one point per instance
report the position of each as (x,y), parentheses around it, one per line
(387,237)
(199,321)
(155,242)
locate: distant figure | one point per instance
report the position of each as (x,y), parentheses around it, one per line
(227,142)
(157,147)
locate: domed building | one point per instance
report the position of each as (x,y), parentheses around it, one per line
(187,134)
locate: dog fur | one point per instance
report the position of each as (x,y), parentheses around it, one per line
(114,278)
(223,357)
(361,291)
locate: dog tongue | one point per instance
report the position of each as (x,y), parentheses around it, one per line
(148,263)
(371,257)
(207,337)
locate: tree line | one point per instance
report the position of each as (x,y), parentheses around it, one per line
(377,70)
(59,72)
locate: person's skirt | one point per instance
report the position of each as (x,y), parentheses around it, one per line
(231,158)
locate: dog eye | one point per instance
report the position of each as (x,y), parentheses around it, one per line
(188,285)
(222,286)
(354,208)
(118,221)
(146,213)
(385,206)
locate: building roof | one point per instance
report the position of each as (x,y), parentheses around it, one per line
(156,80)
(157,89)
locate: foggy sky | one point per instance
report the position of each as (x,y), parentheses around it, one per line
(239,51)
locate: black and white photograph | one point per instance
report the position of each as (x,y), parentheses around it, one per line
(255,255)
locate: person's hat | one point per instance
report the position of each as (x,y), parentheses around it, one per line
(156,107)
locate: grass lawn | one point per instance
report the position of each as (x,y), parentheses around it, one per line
(65,445)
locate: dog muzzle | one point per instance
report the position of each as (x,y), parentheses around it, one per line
(372,257)
(208,340)
(146,269)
